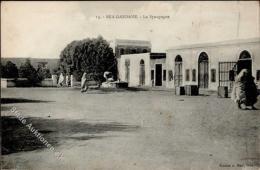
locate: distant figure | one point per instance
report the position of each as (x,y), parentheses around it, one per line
(84,84)
(244,90)
(61,80)
(54,80)
(67,80)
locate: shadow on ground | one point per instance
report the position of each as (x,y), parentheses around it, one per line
(128,89)
(16,137)
(20,100)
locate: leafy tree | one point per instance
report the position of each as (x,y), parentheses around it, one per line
(43,73)
(28,71)
(93,56)
(3,72)
(9,70)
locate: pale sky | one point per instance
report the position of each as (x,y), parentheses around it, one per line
(43,29)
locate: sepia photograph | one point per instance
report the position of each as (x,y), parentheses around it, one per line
(130,85)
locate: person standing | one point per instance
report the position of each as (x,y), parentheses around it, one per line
(84,84)
(61,80)
(244,90)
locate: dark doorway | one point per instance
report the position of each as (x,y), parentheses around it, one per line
(178,71)
(142,73)
(158,75)
(244,62)
(203,76)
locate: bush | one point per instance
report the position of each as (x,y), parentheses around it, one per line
(9,70)
(28,71)
(55,71)
(43,73)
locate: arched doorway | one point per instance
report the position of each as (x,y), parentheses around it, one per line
(244,62)
(127,70)
(178,71)
(203,74)
(142,73)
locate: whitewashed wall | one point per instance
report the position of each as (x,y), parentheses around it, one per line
(228,52)
(135,68)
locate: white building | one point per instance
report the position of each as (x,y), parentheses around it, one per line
(206,65)
(146,69)
(121,46)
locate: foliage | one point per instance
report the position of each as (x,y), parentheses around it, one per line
(28,71)
(9,70)
(93,56)
(54,71)
(43,73)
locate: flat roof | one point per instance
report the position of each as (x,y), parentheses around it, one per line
(157,55)
(152,55)
(132,42)
(214,44)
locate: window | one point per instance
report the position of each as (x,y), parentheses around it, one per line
(164,75)
(170,75)
(178,76)
(144,50)
(152,74)
(133,51)
(213,75)
(142,73)
(122,51)
(187,75)
(194,75)
(257,75)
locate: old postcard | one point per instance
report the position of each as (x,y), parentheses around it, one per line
(130,85)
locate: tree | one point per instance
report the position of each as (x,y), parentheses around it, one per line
(43,73)
(93,56)
(9,70)
(3,72)
(28,71)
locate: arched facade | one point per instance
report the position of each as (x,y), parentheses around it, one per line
(203,70)
(178,76)
(244,62)
(142,73)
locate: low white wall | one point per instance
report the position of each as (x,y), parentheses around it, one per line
(3,83)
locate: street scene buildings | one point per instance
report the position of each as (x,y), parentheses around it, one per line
(204,65)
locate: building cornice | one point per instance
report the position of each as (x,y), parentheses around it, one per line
(215,44)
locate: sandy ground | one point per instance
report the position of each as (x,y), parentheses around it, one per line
(129,130)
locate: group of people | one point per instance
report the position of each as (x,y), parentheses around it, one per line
(244,91)
(63,80)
